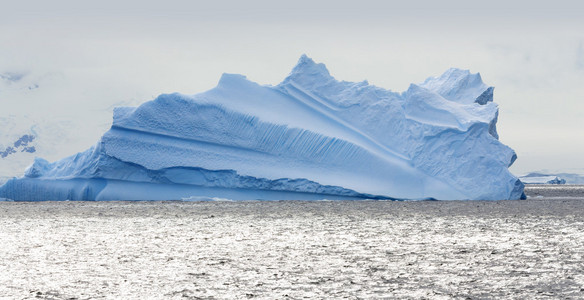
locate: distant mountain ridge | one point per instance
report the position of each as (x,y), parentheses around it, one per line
(541,177)
(20,145)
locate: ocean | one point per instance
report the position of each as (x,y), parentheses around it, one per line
(531,249)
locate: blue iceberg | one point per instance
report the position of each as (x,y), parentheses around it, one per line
(310,137)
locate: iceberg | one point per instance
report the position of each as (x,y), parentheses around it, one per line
(310,137)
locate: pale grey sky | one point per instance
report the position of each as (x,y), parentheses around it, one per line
(87,57)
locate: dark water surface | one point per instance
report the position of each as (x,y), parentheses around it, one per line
(532,249)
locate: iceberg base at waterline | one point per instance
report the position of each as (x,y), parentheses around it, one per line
(310,137)
(132,182)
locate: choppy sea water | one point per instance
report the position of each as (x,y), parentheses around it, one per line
(530,249)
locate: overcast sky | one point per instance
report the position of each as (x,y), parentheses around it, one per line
(87,58)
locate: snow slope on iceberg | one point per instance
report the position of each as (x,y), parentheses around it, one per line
(310,137)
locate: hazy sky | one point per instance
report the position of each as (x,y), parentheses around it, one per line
(88,57)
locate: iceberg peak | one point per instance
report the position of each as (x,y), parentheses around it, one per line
(229,78)
(306,69)
(307,64)
(460,86)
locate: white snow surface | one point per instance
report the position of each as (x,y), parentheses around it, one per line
(310,137)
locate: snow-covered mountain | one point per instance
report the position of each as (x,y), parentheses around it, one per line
(17,81)
(45,106)
(20,145)
(310,137)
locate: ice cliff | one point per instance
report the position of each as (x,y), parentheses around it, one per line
(310,137)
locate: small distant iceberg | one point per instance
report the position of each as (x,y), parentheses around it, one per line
(311,137)
(557,180)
